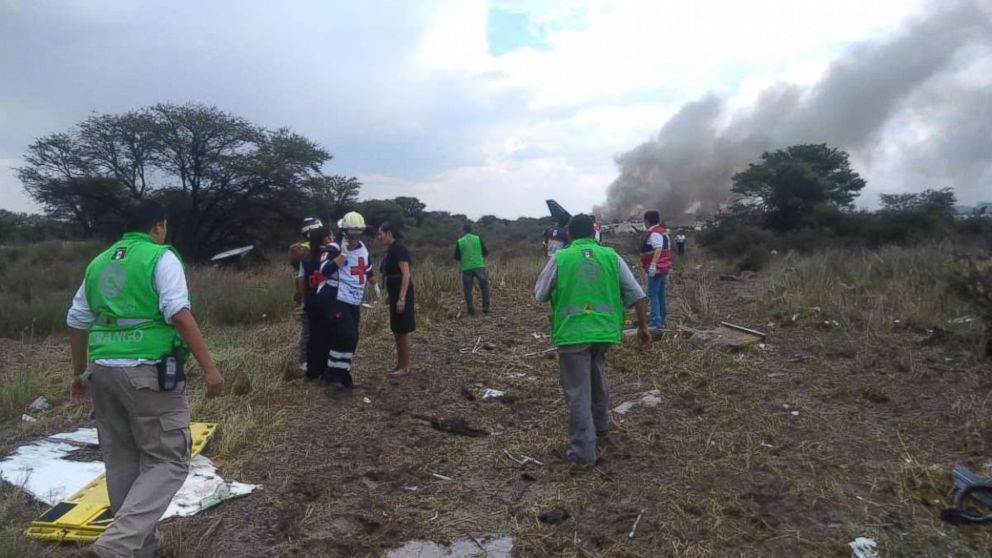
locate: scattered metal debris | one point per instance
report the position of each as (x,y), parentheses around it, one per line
(747,330)
(864,547)
(474,349)
(232,256)
(545,351)
(490,393)
(41,404)
(524,459)
(727,335)
(968,485)
(636,522)
(647,399)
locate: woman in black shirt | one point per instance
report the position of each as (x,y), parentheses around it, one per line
(399,288)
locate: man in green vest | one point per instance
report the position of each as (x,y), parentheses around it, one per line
(471,253)
(130,329)
(589,286)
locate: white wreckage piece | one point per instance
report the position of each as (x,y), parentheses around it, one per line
(647,399)
(43,470)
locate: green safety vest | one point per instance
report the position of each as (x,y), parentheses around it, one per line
(120,289)
(586,303)
(470,248)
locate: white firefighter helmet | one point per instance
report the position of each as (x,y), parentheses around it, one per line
(352,221)
(309,224)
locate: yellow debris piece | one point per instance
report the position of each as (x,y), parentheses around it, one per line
(86,514)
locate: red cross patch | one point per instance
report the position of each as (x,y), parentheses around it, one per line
(359,270)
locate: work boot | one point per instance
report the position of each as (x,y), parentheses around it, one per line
(485,310)
(471,311)
(336,387)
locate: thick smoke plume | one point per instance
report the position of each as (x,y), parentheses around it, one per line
(913,90)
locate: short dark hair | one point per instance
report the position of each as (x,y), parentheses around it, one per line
(392,227)
(467,227)
(580,226)
(652,217)
(142,215)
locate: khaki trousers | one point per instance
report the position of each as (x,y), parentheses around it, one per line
(145,439)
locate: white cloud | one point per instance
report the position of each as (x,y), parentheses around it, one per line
(410,99)
(679,46)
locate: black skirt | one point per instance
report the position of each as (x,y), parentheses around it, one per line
(407,321)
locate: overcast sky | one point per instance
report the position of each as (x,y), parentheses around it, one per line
(475,107)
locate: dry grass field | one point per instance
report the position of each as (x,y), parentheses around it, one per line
(845,423)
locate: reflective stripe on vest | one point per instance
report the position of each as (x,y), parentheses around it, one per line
(586,302)
(120,290)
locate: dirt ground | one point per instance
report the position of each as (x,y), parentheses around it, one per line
(790,449)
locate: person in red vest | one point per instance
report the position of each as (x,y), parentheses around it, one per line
(298,252)
(656,257)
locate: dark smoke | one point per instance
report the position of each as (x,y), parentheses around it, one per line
(876,87)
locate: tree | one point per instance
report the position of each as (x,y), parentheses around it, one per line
(787,186)
(247,196)
(24,227)
(122,146)
(93,204)
(376,212)
(413,209)
(224,180)
(333,196)
(939,202)
(490,220)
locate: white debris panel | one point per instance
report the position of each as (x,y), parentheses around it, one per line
(46,470)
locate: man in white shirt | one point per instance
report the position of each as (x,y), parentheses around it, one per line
(130,329)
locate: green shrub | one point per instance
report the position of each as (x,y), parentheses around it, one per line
(20,388)
(37,283)
(747,247)
(226,296)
